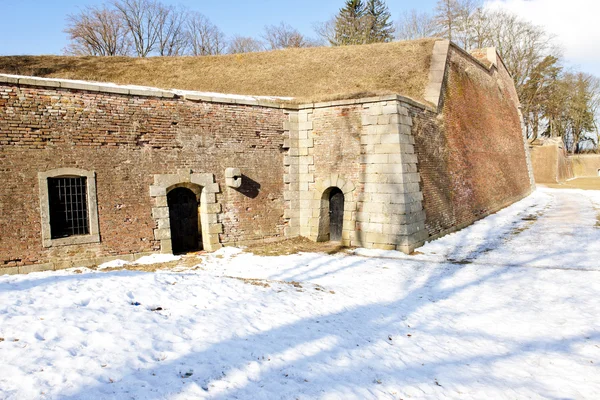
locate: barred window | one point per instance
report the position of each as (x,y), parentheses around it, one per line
(68,206)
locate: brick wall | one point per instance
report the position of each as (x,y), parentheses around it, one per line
(126,140)
(472,156)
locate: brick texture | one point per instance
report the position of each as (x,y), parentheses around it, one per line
(126,140)
(471,157)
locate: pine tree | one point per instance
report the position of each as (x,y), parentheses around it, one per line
(378,24)
(350,24)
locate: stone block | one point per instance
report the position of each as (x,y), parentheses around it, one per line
(156,191)
(306,143)
(380,238)
(405,120)
(12,80)
(303,116)
(305,126)
(390,139)
(389,129)
(308,195)
(386,148)
(8,270)
(373,208)
(215,228)
(308,160)
(369,119)
(370,139)
(362,216)
(209,198)
(287,214)
(303,135)
(291,232)
(44,83)
(232,172)
(348,187)
(392,108)
(293,117)
(27,269)
(211,208)
(162,234)
(307,177)
(163,223)
(209,219)
(160,201)
(160,212)
(374,158)
(375,109)
(212,246)
(212,188)
(166,246)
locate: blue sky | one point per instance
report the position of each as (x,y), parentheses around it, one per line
(36,27)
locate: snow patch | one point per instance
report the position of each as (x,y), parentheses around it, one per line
(156,258)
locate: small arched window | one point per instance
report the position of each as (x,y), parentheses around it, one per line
(69,209)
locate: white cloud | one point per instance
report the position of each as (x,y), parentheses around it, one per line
(574,22)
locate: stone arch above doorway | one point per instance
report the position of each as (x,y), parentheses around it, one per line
(323,187)
(203,183)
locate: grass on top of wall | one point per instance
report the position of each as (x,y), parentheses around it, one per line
(308,74)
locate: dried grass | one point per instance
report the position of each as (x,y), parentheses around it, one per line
(311,74)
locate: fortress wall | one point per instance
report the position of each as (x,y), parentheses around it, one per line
(472,157)
(126,140)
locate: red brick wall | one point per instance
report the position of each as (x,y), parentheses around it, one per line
(336,132)
(127,140)
(471,158)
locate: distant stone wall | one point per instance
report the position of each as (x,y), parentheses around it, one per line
(586,165)
(128,140)
(551,163)
(472,157)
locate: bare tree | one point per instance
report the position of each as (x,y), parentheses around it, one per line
(97,31)
(170,25)
(204,38)
(326,31)
(283,36)
(595,106)
(245,44)
(521,44)
(446,17)
(415,25)
(465,22)
(141,18)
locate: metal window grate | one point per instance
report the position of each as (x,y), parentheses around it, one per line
(68,206)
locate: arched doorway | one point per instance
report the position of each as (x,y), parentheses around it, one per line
(184,220)
(336,214)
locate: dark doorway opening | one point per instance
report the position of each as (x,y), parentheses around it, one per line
(184,220)
(336,214)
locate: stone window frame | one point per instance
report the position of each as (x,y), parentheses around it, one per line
(92,207)
(203,183)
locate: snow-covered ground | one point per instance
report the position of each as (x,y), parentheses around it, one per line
(507,308)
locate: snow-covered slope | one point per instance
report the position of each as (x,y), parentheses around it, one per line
(508,308)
